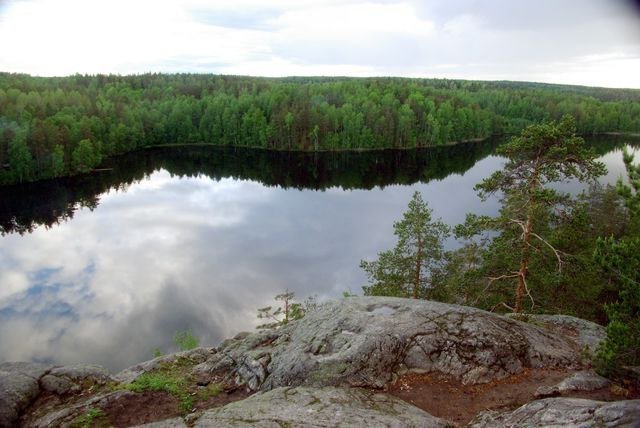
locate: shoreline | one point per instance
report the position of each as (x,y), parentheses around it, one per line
(101,168)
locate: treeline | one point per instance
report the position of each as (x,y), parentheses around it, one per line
(27,206)
(51,127)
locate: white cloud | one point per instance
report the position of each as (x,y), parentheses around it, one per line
(11,282)
(588,42)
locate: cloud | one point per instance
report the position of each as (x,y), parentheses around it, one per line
(464,38)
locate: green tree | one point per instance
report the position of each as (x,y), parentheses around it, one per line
(542,154)
(289,311)
(185,340)
(622,259)
(20,160)
(407,269)
(631,192)
(86,156)
(57,161)
(314,136)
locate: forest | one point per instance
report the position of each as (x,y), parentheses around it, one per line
(60,126)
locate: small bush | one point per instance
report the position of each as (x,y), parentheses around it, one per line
(185,340)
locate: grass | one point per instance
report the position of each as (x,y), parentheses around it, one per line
(88,419)
(174,378)
(165,382)
(210,391)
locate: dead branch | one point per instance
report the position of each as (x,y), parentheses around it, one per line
(526,288)
(492,280)
(556,252)
(503,304)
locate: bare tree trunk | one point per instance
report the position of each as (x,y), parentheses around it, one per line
(524,266)
(521,289)
(286,311)
(416,281)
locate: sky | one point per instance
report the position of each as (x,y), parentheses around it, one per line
(586,42)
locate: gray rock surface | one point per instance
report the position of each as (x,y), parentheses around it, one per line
(589,334)
(64,416)
(319,407)
(58,385)
(565,412)
(80,372)
(585,380)
(366,341)
(18,388)
(169,423)
(70,379)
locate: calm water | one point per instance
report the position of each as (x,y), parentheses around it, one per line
(107,267)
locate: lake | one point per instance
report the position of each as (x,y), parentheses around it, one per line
(106,267)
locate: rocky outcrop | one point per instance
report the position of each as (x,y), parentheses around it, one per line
(585,380)
(565,412)
(319,407)
(366,341)
(197,355)
(586,333)
(21,383)
(169,423)
(65,415)
(331,366)
(18,388)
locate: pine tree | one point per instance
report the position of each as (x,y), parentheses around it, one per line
(542,154)
(622,259)
(407,269)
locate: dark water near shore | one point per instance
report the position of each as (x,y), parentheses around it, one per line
(105,268)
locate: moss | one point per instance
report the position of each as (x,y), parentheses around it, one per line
(328,372)
(91,418)
(210,391)
(174,377)
(165,382)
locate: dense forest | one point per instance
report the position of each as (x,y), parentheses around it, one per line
(58,126)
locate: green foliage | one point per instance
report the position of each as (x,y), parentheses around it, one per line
(175,377)
(407,269)
(57,162)
(21,163)
(88,419)
(157,353)
(541,155)
(622,345)
(580,289)
(85,156)
(289,311)
(631,192)
(125,113)
(621,258)
(185,340)
(164,382)
(210,391)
